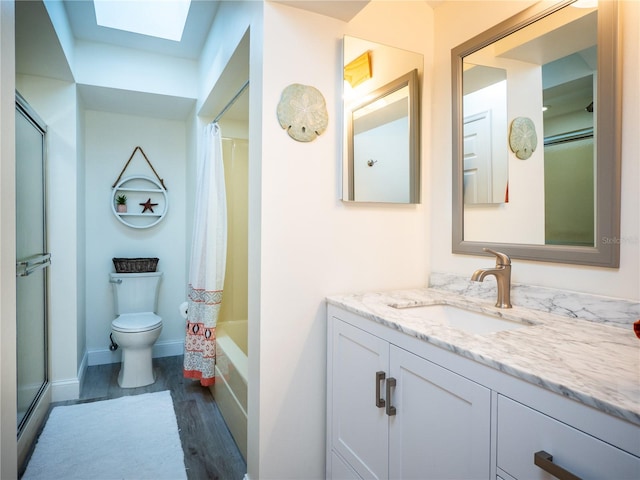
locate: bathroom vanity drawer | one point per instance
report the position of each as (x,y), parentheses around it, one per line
(522,432)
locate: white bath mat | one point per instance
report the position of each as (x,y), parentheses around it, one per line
(134,437)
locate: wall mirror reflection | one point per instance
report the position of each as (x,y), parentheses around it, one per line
(381,157)
(555,67)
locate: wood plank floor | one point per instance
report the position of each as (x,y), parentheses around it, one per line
(210,453)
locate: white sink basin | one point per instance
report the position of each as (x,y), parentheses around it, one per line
(462,319)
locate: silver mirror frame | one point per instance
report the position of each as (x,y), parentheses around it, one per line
(409,80)
(606,252)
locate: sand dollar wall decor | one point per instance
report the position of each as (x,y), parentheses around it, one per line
(523,139)
(302,112)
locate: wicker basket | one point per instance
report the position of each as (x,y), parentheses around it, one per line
(135,265)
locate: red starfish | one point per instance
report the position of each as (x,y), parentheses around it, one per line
(148,206)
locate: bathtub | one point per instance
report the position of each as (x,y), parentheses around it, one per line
(230,387)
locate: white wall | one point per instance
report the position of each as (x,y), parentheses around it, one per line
(471,18)
(55,102)
(60,22)
(312,244)
(81,258)
(128,69)
(229,26)
(110,140)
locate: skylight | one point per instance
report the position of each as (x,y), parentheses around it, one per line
(156,18)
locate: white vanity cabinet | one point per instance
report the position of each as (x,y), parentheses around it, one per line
(402,408)
(393,414)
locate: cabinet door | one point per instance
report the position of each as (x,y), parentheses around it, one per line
(359,428)
(340,470)
(441,429)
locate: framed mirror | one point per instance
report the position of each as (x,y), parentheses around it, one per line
(381,153)
(536,136)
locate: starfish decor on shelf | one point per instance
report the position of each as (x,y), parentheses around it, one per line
(148,206)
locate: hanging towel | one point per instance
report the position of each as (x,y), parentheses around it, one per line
(208,261)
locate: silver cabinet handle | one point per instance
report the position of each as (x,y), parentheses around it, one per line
(391,410)
(380,376)
(544,460)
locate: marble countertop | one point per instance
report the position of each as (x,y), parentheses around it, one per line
(595,364)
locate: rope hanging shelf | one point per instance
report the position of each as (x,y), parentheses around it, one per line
(147,195)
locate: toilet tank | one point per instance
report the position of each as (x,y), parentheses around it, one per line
(135,292)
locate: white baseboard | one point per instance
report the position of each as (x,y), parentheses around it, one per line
(68,389)
(103,356)
(168,349)
(160,349)
(82,369)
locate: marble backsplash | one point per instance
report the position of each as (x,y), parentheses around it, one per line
(611,311)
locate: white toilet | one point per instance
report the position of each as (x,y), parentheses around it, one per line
(136,327)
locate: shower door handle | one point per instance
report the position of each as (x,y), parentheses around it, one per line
(32,264)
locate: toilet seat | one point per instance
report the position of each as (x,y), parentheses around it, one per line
(136,322)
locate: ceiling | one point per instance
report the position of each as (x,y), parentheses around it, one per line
(343,10)
(81,15)
(82,20)
(42,55)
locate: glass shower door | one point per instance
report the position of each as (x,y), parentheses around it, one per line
(32,261)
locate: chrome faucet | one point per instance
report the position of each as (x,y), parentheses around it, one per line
(502,272)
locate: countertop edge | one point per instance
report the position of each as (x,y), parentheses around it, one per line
(420,296)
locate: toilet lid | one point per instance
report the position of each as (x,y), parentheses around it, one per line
(136,322)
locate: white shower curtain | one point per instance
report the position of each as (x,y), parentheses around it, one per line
(208,261)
